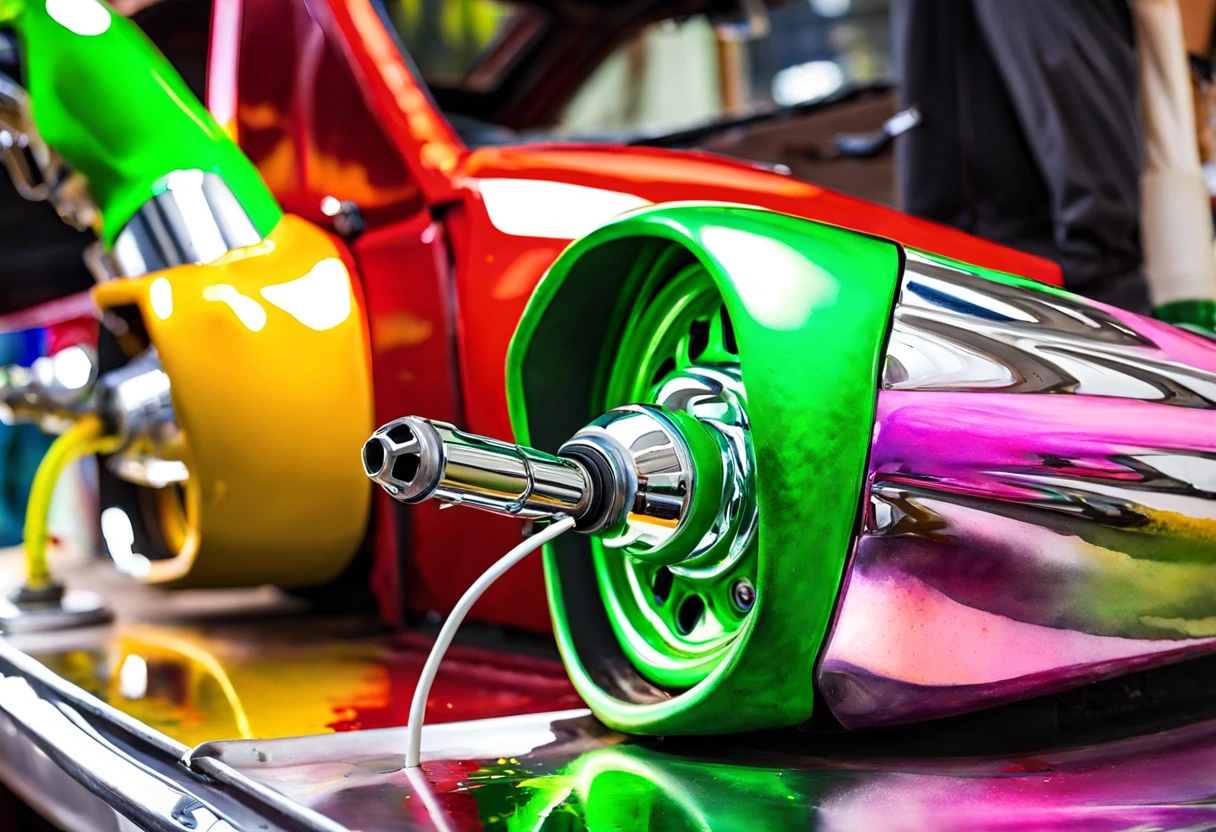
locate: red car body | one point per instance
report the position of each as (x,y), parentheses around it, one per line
(321,98)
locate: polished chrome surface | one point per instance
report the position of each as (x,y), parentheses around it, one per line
(714,395)
(629,476)
(149,800)
(956,330)
(415,459)
(195,219)
(135,399)
(1041,510)
(52,391)
(653,476)
(569,773)
(37,171)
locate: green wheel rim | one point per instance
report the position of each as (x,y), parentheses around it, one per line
(674,623)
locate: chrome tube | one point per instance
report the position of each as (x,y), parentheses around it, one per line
(630,477)
(135,399)
(196,219)
(416,459)
(1041,507)
(37,171)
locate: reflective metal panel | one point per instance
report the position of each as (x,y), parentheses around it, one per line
(1041,509)
(958,330)
(562,772)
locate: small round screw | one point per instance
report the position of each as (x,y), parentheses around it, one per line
(743,594)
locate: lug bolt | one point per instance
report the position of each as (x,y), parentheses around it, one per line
(743,594)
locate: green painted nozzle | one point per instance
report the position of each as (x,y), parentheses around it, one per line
(109,102)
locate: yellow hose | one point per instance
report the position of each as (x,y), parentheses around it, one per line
(85,437)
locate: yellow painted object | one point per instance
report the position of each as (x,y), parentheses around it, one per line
(84,438)
(268,361)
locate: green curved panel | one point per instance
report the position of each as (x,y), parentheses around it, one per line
(110,103)
(810,306)
(1189,313)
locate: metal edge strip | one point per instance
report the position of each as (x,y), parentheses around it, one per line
(278,802)
(34,671)
(133,791)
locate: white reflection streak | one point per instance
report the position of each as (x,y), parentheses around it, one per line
(187,187)
(87,18)
(551,210)
(320,300)
(133,677)
(160,296)
(120,537)
(247,310)
(779,287)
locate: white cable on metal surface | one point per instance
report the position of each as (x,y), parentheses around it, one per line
(422,692)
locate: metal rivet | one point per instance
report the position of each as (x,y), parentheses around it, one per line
(743,594)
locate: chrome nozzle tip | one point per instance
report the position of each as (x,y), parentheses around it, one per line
(375,456)
(405,458)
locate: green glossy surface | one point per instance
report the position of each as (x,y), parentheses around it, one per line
(632,787)
(1195,313)
(107,100)
(810,307)
(683,325)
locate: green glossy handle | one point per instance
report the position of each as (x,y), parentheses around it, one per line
(110,103)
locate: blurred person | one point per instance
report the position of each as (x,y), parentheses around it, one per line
(1033,136)
(1198,23)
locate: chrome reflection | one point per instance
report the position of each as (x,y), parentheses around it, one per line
(956,330)
(136,400)
(1016,543)
(195,219)
(38,172)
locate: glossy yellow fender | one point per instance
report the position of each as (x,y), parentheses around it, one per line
(267,355)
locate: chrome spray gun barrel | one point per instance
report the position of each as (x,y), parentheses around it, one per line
(644,479)
(416,459)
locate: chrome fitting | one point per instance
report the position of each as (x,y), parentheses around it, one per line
(136,403)
(37,171)
(416,459)
(660,470)
(53,392)
(133,401)
(195,219)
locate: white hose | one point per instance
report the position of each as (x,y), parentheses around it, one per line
(422,692)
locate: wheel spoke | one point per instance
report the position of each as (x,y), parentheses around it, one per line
(674,624)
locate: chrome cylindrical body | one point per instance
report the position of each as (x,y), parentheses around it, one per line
(1041,509)
(416,459)
(195,219)
(135,400)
